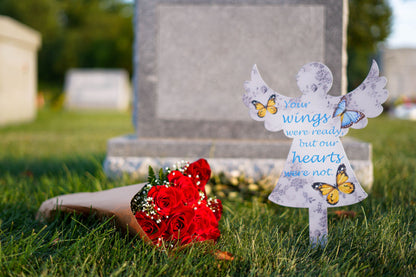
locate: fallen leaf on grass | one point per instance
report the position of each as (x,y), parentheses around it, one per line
(345,214)
(222,255)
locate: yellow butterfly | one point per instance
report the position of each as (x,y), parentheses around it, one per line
(331,191)
(263,109)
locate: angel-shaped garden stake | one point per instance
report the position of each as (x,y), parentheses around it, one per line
(317,173)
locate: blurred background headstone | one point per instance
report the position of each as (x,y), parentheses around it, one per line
(97,89)
(400,69)
(18,71)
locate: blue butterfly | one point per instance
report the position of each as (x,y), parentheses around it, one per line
(348,117)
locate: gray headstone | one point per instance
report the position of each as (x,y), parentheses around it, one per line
(191,54)
(97,89)
(191,60)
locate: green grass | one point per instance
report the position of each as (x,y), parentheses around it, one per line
(62,152)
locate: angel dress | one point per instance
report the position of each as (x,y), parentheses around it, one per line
(317,173)
(315,156)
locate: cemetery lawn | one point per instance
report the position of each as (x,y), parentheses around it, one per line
(62,152)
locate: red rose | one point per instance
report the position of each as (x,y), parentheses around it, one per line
(166,199)
(206,224)
(187,187)
(216,207)
(200,173)
(174,175)
(180,224)
(212,233)
(187,239)
(150,227)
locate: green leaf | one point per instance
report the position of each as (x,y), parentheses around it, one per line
(162,175)
(151,177)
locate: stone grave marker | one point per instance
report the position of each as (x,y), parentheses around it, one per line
(400,68)
(18,71)
(97,89)
(191,60)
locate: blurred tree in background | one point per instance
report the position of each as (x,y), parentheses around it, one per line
(369,25)
(77,33)
(99,33)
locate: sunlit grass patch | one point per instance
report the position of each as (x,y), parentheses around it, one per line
(62,152)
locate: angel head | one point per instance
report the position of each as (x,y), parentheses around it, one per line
(314,78)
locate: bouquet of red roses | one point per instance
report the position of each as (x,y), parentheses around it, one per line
(173,208)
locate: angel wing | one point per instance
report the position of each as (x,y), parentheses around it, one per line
(264,103)
(363,102)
